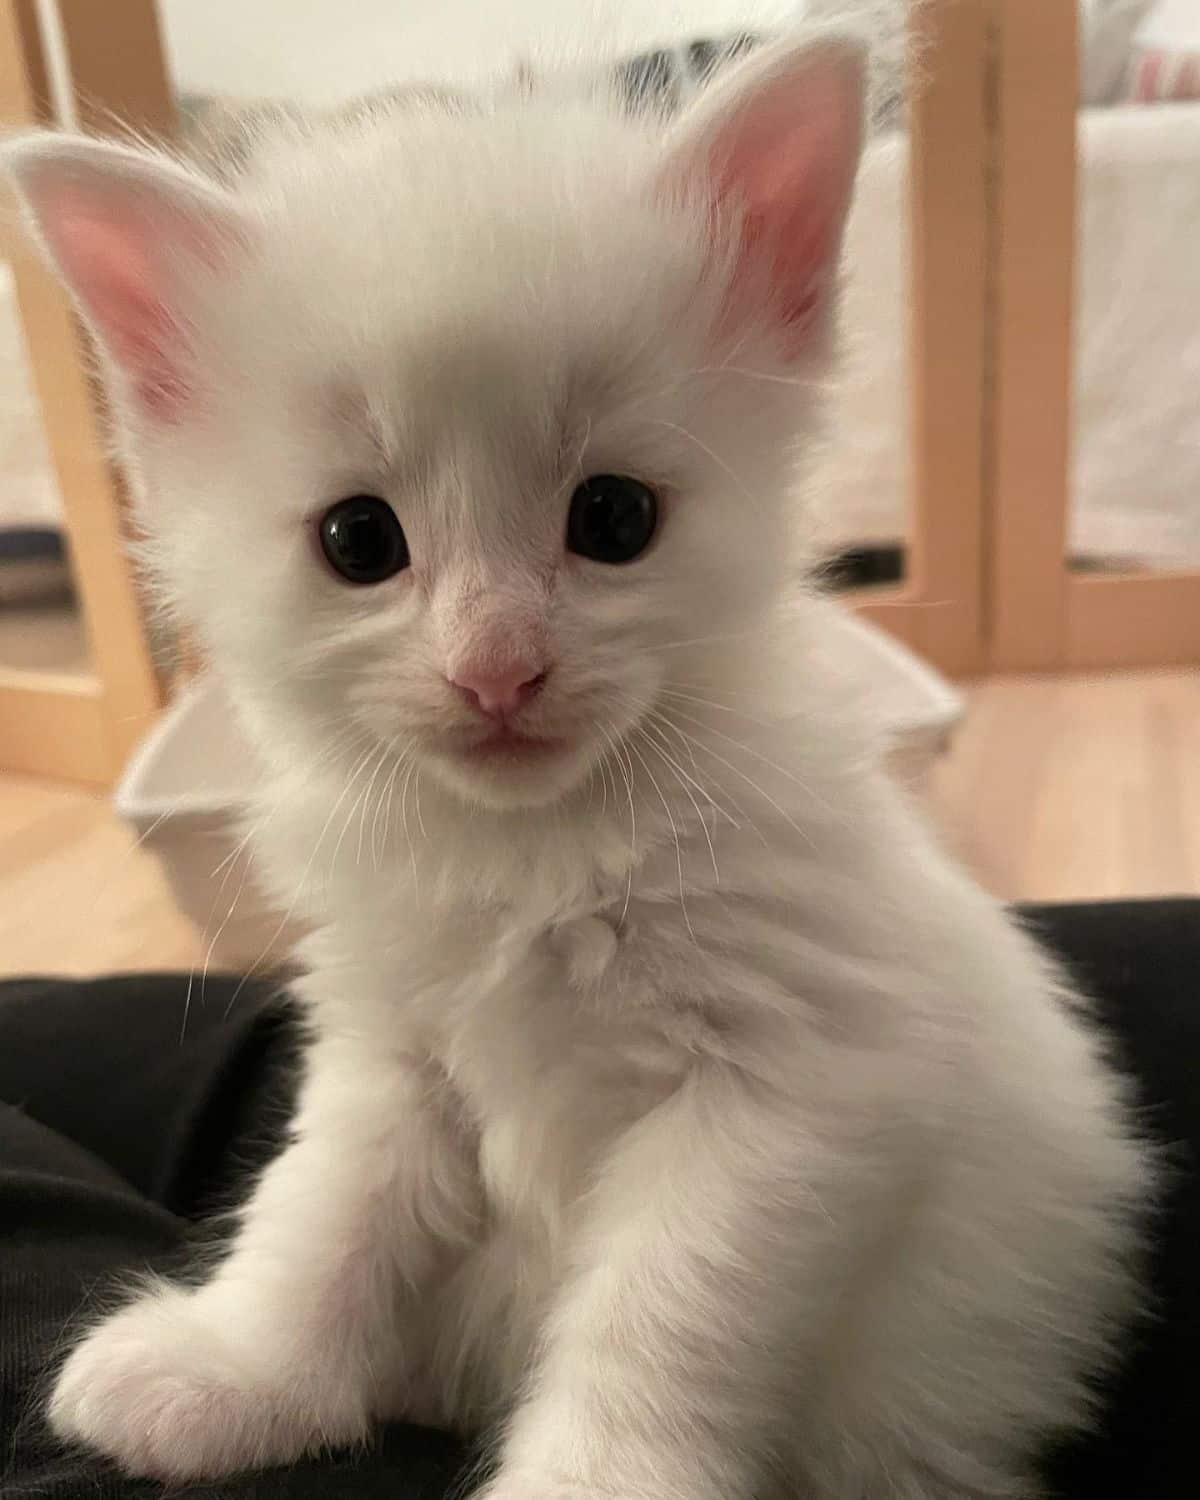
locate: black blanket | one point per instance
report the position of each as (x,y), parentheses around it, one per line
(130,1111)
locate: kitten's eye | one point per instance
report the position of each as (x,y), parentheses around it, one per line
(612,518)
(362,539)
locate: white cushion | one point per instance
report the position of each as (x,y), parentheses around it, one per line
(1171,26)
(1107,31)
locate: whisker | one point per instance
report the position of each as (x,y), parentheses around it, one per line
(360,765)
(757,755)
(211,949)
(700,640)
(674,833)
(754,785)
(362,822)
(598,774)
(417,801)
(687,741)
(799,381)
(648,725)
(358,801)
(672,692)
(673,766)
(627,776)
(146,833)
(716,457)
(228,865)
(380,850)
(412,853)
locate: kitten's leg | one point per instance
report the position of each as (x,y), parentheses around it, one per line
(284,1349)
(719,1334)
(709,1262)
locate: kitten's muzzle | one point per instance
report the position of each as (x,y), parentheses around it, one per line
(499,694)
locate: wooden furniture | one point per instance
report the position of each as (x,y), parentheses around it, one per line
(80,726)
(1046,616)
(940,608)
(993,226)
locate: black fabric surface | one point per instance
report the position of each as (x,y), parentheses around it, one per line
(120,1130)
(129,1111)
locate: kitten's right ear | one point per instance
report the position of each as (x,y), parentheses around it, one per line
(126,230)
(773,148)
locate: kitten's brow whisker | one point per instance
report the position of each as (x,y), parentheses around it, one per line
(716,457)
(800,382)
(678,382)
(575,471)
(738,347)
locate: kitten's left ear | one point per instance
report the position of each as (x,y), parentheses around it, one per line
(128,231)
(774,150)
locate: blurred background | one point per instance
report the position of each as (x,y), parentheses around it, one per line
(1010,516)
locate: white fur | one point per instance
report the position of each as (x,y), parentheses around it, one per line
(678,1105)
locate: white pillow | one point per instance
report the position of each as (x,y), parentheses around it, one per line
(1171,26)
(1107,30)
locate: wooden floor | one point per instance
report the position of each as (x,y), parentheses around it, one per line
(1056,789)
(1065,789)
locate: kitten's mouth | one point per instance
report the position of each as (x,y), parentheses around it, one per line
(510,767)
(506,743)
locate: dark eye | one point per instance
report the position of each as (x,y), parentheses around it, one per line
(362,539)
(612,518)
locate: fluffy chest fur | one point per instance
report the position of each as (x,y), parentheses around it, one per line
(551,1065)
(542,1050)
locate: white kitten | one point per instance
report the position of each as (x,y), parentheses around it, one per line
(670,1096)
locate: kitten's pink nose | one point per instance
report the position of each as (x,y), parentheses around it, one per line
(498,693)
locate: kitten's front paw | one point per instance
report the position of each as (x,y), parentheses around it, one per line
(164,1388)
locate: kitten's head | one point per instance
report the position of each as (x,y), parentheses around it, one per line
(471,432)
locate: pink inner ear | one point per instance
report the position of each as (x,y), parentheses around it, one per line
(786,160)
(109,265)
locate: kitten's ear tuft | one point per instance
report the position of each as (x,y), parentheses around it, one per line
(774,151)
(126,230)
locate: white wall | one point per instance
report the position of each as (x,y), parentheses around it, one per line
(323,50)
(1173,24)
